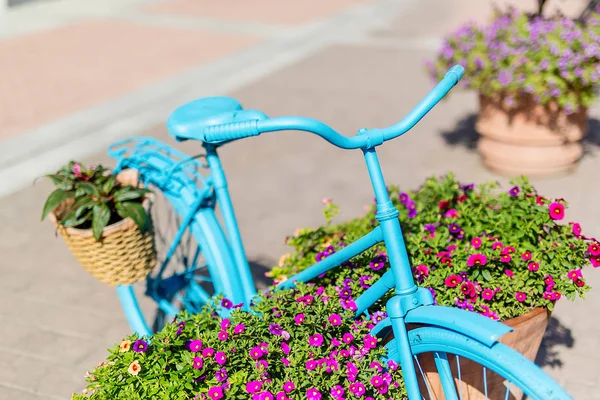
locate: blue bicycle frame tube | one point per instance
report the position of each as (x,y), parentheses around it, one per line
(375,292)
(334,260)
(387,215)
(231,227)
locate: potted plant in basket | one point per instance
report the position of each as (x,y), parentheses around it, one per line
(536,77)
(104,220)
(504,254)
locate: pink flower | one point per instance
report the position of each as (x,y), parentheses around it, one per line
(215,393)
(335,319)
(220,358)
(451,213)
(488,294)
(254,386)
(285,348)
(497,245)
(76,170)
(223,336)
(533,266)
(520,296)
(299,319)
(557,211)
(508,250)
(476,259)
(453,281)
(357,389)
(468,289)
(526,256)
(505,258)
(594,249)
(315,340)
(595,261)
(509,273)
(476,242)
(579,282)
(574,274)
(347,338)
(239,329)
(576,229)
(313,394)
(289,386)
(370,341)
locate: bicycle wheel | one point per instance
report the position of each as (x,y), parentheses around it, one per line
(194,262)
(474,370)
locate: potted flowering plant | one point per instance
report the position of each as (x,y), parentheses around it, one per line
(103,219)
(503,254)
(536,76)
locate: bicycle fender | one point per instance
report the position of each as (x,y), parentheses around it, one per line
(473,325)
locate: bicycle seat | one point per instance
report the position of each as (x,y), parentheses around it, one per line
(191,118)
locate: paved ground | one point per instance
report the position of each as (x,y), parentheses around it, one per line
(350,63)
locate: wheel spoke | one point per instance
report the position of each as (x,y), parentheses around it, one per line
(424,377)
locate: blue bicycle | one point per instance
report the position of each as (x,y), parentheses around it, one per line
(433,344)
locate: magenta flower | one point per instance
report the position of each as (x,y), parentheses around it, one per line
(595,260)
(285,348)
(215,393)
(574,274)
(313,394)
(509,273)
(370,341)
(377,381)
(140,346)
(337,391)
(468,289)
(403,197)
(220,358)
(453,281)
(223,335)
(253,386)
(526,256)
(357,389)
(221,375)
(281,396)
(476,242)
(514,191)
(299,318)
(315,340)
(505,258)
(347,338)
(256,353)
(289,386)
(335,319)
(497,245)
(225,324)
(197,362)
(266,395)
(261,364)
(487,294)
(557,211)
(311,365)
(576,229)
(275,329)
(239,329)
(285,361)
(533,266)
(195,346)
(422,270)
(594,249)
(476,260)
(348,304)
(451,213)
(520,296)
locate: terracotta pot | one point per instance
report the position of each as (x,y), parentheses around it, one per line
(526,338)
(533,139)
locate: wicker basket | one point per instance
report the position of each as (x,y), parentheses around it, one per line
(124,255)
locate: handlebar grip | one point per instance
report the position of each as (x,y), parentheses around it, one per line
(455,73)
(231,131)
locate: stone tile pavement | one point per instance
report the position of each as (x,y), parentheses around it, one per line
(125,65)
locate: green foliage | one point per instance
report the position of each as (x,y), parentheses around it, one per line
(519,57)
(95,198)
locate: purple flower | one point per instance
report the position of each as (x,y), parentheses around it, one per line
(505,77)
(363,281)
(275,329)
(378,262)
(514,191)
(403,197)
(221,375)
(140,346)
(220,358)
(225,303)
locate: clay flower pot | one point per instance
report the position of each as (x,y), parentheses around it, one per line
(533,139)
(526,338)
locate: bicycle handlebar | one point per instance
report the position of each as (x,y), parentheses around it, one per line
(254,127)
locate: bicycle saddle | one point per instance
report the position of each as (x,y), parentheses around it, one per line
(189,120)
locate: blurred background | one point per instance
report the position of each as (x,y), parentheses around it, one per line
(75,75)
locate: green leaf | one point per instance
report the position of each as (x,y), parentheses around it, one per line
(109,184)
(89,188)
(72,220)
(486,275)
(55,198)
(101,216)
(126,194)
(135,211)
